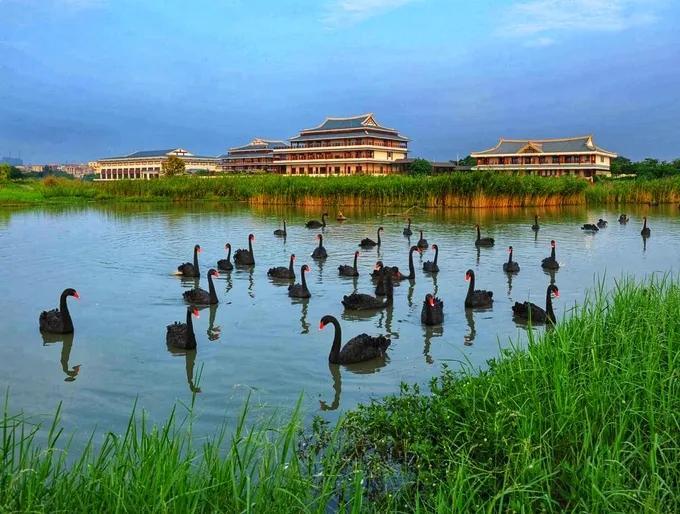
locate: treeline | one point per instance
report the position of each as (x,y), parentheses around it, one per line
(646,169)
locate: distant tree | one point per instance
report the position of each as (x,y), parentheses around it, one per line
(9,172)
(420,167)
(173,166)
(621,165)
(468,161)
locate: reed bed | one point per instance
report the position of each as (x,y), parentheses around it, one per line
(476,190)
(585,418)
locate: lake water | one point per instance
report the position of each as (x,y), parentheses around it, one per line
(258,341)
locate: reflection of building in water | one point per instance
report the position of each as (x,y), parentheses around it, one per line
(66,341)
(470,319)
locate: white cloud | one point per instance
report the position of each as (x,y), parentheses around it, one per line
(540,42)
(348,12)
(543,19)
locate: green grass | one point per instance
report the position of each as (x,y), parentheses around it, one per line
(586,418)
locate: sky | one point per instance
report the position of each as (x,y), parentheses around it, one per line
(84,79)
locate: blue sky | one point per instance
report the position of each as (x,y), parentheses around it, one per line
(81,79)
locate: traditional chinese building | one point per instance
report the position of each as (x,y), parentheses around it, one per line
(578,156)
(148,164)
(343,146)
(258,155)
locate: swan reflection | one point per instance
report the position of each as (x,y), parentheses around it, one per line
(429,333)
(469,338)
(360,368)
(66,341)
(509,277)
(189,364)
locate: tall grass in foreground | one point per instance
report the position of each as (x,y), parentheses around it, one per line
(585,419)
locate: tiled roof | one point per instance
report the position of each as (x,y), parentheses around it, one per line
(564,145)
(260,144)
(353,122)
(348,135)
(150,153)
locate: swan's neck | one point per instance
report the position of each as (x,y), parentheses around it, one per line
(471,287)
(552,253)
(355,261)
(196,261)
(644,226)
(290,265)
(536,220)
(65,314)
(378,237)
(334,356)
(250,246)
(211,289)
(411,267)
(510,257)
(389,288)
(303,280)
(479,234)
(549,306)
(284,225)
(323,220)
(229,254)
(191,337)
(320,241)
(436,254)
(409,224)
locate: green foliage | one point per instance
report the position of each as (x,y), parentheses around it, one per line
(468,161)
(8,172)
(173,166)
(420,167)
(646,169)
(585,419)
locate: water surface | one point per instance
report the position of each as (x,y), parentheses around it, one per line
(258,342)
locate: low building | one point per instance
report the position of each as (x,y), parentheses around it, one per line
(343,146)
(258,155)
(578,156)
(148,164)
(76,170)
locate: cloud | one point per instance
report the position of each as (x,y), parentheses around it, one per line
(543,19)
(540,42)
(349,12)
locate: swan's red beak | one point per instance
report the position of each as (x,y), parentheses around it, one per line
(196,313)
(467,276)
(556,294)
(216,274)
(76,295)
(199,250)
(431,302)
(321,326)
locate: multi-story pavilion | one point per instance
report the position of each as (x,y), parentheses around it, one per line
(148,164)
(258,155)
(578,156)
(343,146)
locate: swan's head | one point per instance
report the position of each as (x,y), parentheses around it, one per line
(251,237)
(194,312)
(72,292)
(477,225)
(325,321)
(509,249)
(380,229)
(429,299)
(227,246)
(378,265)
(553,244)
(435,247)
(408,219)
(292,257)
(319,237)
(197,248)
(554,292)
(305,268)
(213,273)
(416,249)
(469,274)
(356,254)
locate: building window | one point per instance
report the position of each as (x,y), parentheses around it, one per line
(601,158)
(556,159)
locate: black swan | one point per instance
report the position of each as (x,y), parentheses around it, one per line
(362,302)
(369,243)
(200,296)
(281,232)
(283,272)
(181,335)
(602,223)
(377,273)
(483,241)
(225,264)
(551,262)
(244,257)
(623,219)
(300,290)
(319,252)
(535,227)
(476,298)
(590,227)
(358,349)
(58,321)
(349,271)
(422,242)
(532,312)
(396,275)
(433,311)
(646,231)
(510,266)
(317,224)
(431,266)
(407,229)
(188,269)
